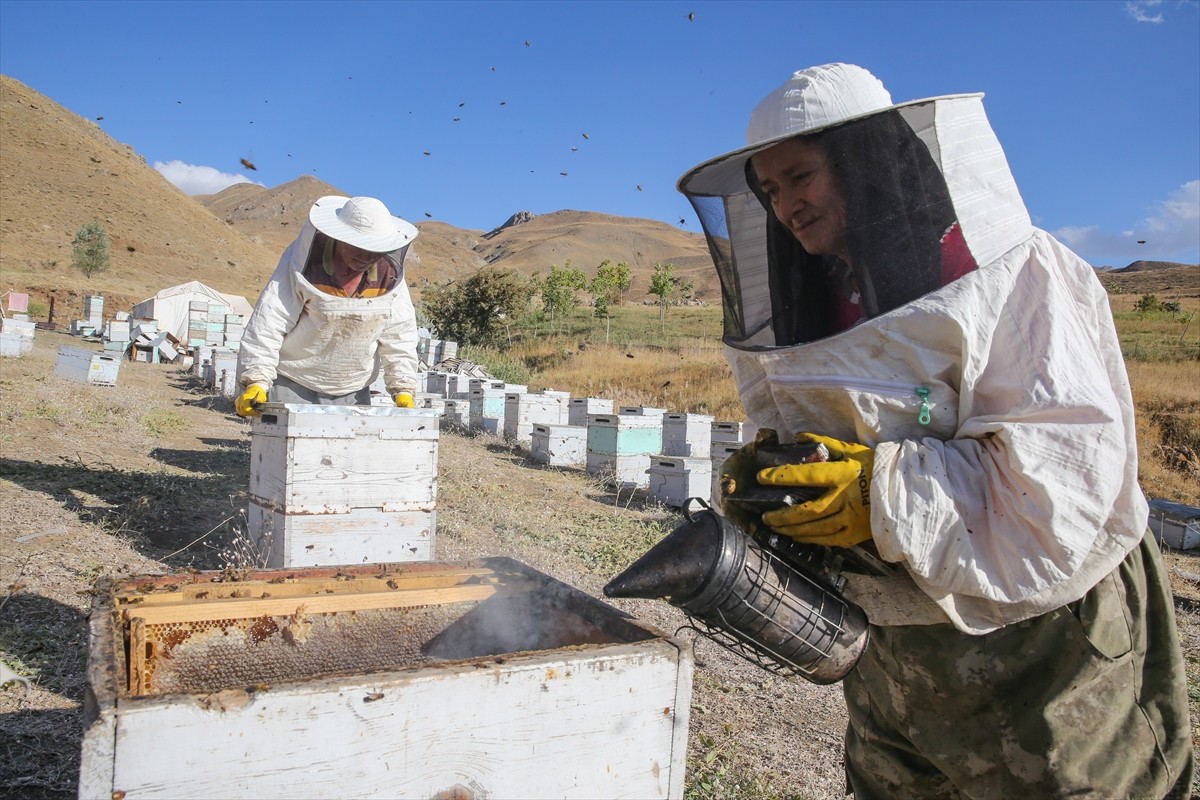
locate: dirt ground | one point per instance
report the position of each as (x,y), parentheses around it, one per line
(151,475)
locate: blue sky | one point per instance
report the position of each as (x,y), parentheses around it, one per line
(1097,103)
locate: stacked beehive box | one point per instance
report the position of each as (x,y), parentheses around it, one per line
(222,371)
(619,447)
(684,468)
(456,415)
(487,398)
(342,484)
(469,680)
(16,336)
(523,410)
(93,317)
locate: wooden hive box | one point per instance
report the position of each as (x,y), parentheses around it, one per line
(619,447)
(580,408)
(87,366)
(487,410)
(559,445)
(688,435)
(523,410)
(720,452)
(478,680)
(343,484)
(673,479)
(456,415)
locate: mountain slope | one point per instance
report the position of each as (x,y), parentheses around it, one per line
(59,171)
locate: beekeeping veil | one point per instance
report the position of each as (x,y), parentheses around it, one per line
(927,193)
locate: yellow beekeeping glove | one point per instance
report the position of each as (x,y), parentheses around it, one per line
(254,395)
(841,517)
(404,400)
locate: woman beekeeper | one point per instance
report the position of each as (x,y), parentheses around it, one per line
(335,312)
(885,293)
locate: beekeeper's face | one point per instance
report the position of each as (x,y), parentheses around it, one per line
(796,177)
(354,258)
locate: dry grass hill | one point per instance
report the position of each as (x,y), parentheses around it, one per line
(59,171)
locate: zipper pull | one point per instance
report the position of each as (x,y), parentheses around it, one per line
(923,393)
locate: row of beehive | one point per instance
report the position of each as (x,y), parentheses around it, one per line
(673,455)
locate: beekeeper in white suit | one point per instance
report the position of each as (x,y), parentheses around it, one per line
(886,293)
(335,312)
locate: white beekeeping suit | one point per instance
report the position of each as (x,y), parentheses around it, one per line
(992,388)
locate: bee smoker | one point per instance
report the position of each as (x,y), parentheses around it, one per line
(766,598)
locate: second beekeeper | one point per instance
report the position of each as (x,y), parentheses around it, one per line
(335,313)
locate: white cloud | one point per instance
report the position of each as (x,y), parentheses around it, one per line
(1171,233)
(197,179)
(1140,10)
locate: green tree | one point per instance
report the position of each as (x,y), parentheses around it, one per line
(662,286)
(558,291)
(1148,303)
(89,249)
(612,281)
(607,288)
(477,311)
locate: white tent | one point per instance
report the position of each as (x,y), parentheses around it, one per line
(170,306)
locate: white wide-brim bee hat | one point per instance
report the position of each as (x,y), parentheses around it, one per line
(364,222)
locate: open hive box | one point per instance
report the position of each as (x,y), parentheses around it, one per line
(473,680)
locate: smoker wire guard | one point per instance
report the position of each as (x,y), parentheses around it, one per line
(707,609)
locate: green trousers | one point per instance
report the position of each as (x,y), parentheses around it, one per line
(1087,701)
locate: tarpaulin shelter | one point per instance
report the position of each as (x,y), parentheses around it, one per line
(170,306)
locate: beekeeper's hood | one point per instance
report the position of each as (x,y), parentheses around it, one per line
(923,189)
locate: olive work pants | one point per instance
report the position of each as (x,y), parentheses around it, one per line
(285,390)
(1087,701)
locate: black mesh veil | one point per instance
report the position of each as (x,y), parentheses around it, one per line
(899,225)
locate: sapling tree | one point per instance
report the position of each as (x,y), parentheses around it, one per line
(89,249)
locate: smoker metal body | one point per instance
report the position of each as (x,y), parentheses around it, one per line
(478,680)
(767,602)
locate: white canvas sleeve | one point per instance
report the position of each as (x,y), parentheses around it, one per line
(275,314)
(1038,486)
(398,345)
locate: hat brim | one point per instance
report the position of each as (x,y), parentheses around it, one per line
(324,215)
(725,175)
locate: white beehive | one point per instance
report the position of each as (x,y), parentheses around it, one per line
(559,445)
(1175,525)
(14,344)
(523,410)
(580,408)
(687,435)
(456,415)
(436,383)
(471,680)
(487,410)
(720,452)
(673,479)
(643,411)
(343,484)
(87,366)
(730,432)
(619,447)
(222,371)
